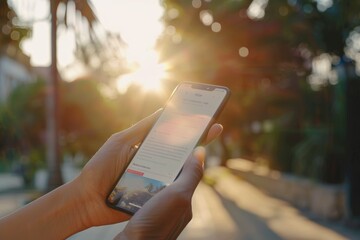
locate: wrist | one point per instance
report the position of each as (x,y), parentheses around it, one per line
(84,204)
(53,216)
(64,212)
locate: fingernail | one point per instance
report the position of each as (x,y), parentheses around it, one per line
(200,152)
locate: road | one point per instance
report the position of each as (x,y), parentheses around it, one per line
(234,209)
(231,209)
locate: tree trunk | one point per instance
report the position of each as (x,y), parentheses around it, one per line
(353,143)
(52,110)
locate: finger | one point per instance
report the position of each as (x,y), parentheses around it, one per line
(192,171)
(213,133)
(136,133)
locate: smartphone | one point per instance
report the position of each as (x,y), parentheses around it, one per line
(182,125)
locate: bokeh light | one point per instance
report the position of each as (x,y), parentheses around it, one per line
(243,51)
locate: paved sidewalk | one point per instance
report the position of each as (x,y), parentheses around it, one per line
(231,209)
(259,216)
(10,202)
(238,210)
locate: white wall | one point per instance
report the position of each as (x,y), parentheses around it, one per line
(12,73)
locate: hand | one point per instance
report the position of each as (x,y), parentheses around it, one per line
(80,204)
(100,173)
(166,214)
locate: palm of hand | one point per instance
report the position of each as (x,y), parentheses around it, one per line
(104,168)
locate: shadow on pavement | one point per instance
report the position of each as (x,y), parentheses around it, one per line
(249,225)
(258,215)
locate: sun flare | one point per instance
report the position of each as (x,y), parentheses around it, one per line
(139,25)
(148,72)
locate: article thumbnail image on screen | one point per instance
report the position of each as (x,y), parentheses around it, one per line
(133,191)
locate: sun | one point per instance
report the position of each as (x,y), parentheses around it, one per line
(139,25)
(148,73)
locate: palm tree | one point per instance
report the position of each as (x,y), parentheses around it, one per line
(99,49)
(52,110)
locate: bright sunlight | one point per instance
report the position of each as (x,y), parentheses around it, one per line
(139,25)
(148,73)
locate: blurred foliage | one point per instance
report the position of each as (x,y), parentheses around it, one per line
(135,104)
(23,120)
(12,33)
(99,50)
(22,126)
(263,51)
(87,118)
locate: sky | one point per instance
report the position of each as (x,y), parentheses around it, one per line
(138,23)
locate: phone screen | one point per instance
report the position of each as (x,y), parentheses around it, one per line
(185,118)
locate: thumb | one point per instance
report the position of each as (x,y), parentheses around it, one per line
(192,171)
(137,132)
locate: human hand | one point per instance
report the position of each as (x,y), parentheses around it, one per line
(80,204)
(166,214)
(103,169)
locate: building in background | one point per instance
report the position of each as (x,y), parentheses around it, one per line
(15,69)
